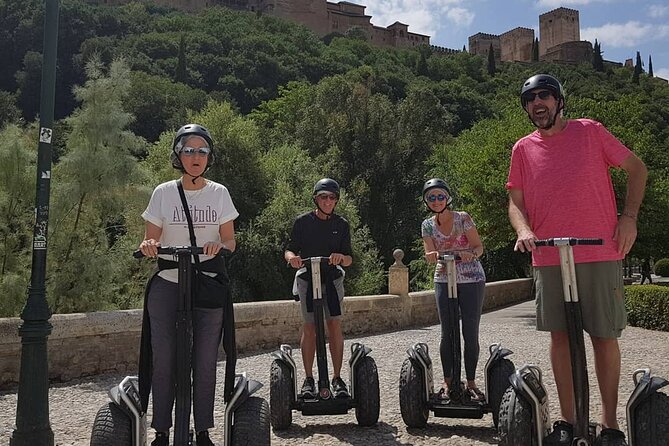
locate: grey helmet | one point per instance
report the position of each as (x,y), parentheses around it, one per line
(326,185)
(182,133)
(543,81)
(437,183)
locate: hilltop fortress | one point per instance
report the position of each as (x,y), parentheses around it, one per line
(559,29)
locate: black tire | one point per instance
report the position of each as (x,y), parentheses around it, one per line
(651,423)
(367,395)
(516,421)
(280,396)
(251,423)
(498,377)
(413,404)
(112,427)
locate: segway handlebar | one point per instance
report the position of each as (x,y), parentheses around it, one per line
(449,255)
(171,250)
(561,241)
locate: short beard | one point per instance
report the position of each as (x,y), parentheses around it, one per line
(550,123)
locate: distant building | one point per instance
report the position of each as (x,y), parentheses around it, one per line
(559,40)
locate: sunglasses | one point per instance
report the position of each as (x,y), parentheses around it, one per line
(324,197)
(190,151)
(433,198)
(543,95)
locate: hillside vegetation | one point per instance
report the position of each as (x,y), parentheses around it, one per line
(285,108)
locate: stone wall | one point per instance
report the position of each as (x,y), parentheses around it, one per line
(92,343)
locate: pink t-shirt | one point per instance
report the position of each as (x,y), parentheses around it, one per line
(567,188)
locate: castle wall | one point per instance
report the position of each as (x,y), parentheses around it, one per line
(479,44)
(556,27)
(516,45)
(569,52)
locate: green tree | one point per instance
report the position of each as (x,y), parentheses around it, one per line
(17,192)
(650,66)
(9,112)
(535,50)
(94,196)
(638,69)
(181,75)
(597,59)
(491,60)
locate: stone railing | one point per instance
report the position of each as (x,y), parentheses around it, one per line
(90,343)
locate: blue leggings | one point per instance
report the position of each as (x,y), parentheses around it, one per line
(470,303)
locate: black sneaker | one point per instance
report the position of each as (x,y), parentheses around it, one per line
(309,388)
(611,437)
(162,439)
(339,388)
(202,439)
(562,434)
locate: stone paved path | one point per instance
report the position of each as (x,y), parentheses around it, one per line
(73,405)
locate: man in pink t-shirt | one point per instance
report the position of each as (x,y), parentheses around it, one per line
(559,186)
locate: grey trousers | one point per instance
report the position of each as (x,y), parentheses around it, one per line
(207,323)
(470,303)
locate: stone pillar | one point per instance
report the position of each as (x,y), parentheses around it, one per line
(398,275)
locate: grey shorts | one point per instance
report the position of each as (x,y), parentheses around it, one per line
(600,291)
(309,317)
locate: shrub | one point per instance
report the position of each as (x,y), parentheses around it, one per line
(662,267)
(648,306)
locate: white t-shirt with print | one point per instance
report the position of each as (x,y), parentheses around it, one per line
(210,207)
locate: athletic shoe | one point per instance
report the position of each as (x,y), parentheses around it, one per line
(162,439)
(202,439)
(562,434)
(309,388)
(611,437)
(339,388)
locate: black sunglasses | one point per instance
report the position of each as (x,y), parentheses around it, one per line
(543,95)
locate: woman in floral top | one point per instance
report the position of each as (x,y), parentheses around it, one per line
(454,232)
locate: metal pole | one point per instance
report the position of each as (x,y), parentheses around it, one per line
(32,411)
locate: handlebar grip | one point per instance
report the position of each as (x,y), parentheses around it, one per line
(569,241)
(169,250)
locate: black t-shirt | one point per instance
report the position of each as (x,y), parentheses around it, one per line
(312,237)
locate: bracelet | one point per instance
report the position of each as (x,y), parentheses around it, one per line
(630,215)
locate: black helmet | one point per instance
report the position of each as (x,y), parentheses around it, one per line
(542,81)
(326,185)
(182,133)
(437,183)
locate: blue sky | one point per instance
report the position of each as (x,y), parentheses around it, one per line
(623,27)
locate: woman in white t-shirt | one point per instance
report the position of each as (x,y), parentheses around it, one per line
(213,215)
(454,232)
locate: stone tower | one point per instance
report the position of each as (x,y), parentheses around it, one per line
(558,26)
(312,13)
(517,45)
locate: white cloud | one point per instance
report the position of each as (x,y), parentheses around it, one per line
(422,16)
(625,35)
(662,72)
(658,11)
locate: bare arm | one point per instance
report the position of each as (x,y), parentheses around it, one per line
(475,246)
(431,253)
(626,230)
(519,221)
(151,242)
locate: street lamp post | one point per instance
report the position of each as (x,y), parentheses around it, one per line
(32,411)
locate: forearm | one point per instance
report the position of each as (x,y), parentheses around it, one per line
(518,217)
(636,186)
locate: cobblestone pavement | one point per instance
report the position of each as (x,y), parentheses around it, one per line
(73,405)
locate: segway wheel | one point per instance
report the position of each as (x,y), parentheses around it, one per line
(367,396)
(516,421)
(280,396)
(251,423)
(112,427)
(413,404)
(652,421)
(499,381)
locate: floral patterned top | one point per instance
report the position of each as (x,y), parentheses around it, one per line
(467,272)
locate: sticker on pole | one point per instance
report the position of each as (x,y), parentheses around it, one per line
(39,242)
(45,135)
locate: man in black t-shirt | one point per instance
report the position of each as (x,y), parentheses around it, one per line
(325,234)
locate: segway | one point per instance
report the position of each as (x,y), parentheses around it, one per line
(417,396)
(122,420)
(364,384)
(524,415)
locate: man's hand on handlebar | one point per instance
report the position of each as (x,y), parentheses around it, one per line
(525,241)
(336,258)
(149,247)
(296,262)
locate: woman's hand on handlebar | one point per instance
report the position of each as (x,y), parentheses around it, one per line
(432,256)
(213,248)
(149,247)
(467,256)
